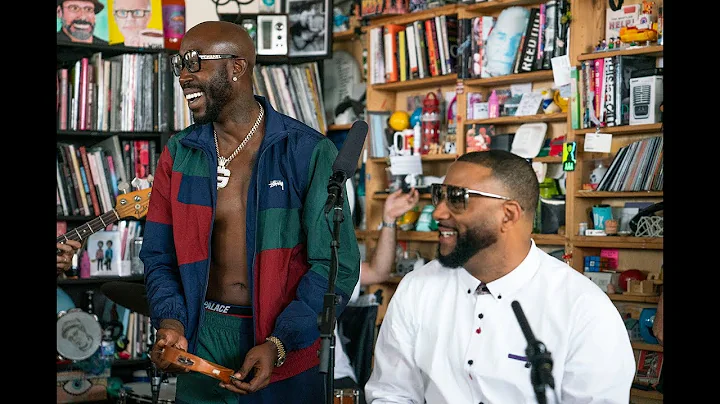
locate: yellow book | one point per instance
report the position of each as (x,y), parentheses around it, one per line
(402,55)
(136,23)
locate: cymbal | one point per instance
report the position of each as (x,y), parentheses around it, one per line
(127,294)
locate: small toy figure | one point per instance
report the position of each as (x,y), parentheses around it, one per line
(618,43)
(611,43)
(548,103)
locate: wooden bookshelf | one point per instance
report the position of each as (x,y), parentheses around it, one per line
(653,50)
(646,394)
(345,126)
(548,239)
(617,297)
(647,347)
(518,120)
(423,158)
(623,242)
(346,35)
(496,5)
(623,129)
(415,84)
(541,75)
(410,17)
(548,159)
(606,194)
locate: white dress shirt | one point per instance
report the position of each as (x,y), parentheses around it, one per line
(445,340)
(343,368)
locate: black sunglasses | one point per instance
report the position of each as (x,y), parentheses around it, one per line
(192,59)
(457,197)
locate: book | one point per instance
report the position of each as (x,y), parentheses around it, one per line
(135,23)
(624,66)
(478,137)
(529,48)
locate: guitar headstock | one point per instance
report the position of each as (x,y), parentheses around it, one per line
(133,204)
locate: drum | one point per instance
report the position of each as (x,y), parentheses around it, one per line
(347,396)
(141,392)
(78,334)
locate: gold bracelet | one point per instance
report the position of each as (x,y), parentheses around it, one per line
(280,348)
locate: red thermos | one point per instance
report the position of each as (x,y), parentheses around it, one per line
(430,122)
(173,12)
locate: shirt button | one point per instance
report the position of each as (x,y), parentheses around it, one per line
(470,362)
(478,330)
(480,315)
(469,291)
(499,296)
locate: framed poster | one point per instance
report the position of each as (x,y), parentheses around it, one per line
(309,27)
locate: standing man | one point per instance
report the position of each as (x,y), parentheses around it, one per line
(237,246)
(78,21)
(450,334)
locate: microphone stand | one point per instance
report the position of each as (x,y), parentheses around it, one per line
(541,362)
(327,318)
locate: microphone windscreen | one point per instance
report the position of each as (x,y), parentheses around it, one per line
(349,154)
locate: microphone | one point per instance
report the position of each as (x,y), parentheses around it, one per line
(346,162)
(538,356)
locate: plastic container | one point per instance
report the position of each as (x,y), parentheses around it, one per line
(173,12)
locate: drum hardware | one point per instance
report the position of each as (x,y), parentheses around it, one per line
(79,334)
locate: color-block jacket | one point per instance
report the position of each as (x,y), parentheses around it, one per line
(288,235)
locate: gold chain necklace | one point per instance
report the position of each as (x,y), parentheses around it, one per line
(223,172)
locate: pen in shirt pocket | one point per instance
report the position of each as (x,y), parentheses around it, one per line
(520,358)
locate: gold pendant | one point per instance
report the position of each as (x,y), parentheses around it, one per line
(223,176)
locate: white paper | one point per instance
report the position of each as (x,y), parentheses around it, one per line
(401,165)
(561,70)
(480,110)
(598,142)
(520,88)
(529,104)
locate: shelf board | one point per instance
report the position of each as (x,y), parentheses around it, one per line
(346,35)
(606,194)
(548,239)
(407,18)
(547,159)
(652,50)
(517,120)
(426,157)
(106,134)
(624,129)
(540,75)
(416,83)
(618,297)
(499,5)
(646,394)
(86,281)
(647,347)
(345,126)
(623,242)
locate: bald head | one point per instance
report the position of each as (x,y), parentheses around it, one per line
(220,37)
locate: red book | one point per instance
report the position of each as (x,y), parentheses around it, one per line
(432,46)
(82,99)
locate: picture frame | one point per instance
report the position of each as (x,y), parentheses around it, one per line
(309,28)
(105,249)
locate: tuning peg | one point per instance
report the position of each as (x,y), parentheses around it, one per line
(123,187)
(150,178)
(137,183)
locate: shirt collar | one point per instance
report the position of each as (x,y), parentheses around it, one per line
(506,286)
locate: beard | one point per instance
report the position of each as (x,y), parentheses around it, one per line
(217,91)
(78,33)
(467,245)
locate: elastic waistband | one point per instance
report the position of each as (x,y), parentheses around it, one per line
(231,309)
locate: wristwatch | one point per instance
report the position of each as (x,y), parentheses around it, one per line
(388,224)
(280,348)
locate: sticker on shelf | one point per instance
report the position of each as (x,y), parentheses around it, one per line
(569,158)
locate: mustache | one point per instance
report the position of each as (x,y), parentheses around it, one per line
(81,21)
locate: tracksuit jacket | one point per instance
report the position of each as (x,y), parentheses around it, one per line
(288,235)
